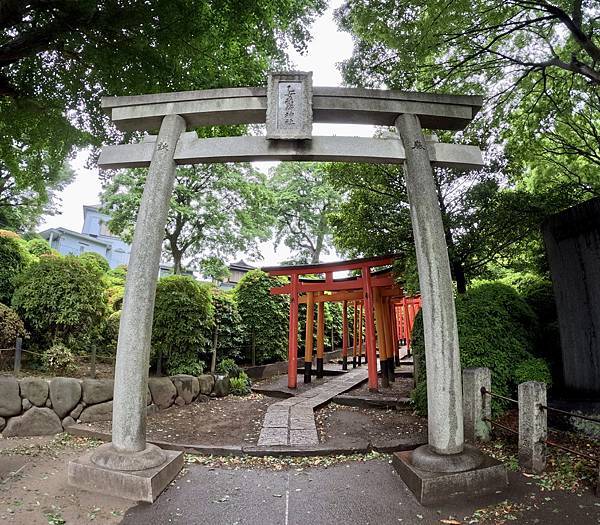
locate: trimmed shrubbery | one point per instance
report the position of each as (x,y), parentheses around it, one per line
(183,316)
(61,300)
(264,316)
(496,330)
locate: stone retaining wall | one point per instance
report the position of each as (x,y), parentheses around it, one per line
(281,367)
(35,406)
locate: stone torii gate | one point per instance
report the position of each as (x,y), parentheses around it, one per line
(129,466)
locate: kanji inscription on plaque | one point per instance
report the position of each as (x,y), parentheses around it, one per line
(289,106)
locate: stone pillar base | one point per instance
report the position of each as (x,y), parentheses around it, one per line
(137,485)
(431,488)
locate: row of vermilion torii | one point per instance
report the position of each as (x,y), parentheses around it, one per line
(376,316)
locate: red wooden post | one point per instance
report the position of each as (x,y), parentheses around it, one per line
(293,337)
(370,329)
(406,326)
(394,328)
(345,335)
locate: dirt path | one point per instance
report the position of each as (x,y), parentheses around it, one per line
(34,489)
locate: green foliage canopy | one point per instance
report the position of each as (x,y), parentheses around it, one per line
(216,210)
(13,259)
(303,198)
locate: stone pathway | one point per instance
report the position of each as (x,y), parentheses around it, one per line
(291,422)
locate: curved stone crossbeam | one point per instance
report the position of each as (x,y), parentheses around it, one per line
(330,104)
(191,150)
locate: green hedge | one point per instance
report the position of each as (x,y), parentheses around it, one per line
(183,315)
(264,316)
(496,330)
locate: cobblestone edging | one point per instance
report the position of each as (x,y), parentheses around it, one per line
(291,422)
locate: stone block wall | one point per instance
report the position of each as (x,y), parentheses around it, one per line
(37,406)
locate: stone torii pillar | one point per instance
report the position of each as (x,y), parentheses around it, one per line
(129,462)
(446,465)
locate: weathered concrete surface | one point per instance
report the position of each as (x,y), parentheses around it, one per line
(34,389)
(433,488)
(330,104)
(533,426)
(35,422)
(144,485)
(312,496)
(10,400)
(97,390)
(65,393)
(327,149)
(133,347)
(163,391)
(444,390)
(187,387)
(477,407)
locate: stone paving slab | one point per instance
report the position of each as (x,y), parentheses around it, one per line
(292,422)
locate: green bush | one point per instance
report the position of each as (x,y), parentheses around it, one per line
(240,385)
(38,246)
(230,368)
(115,295)
(96,260)
(61,300)
(533,369)
(229,326)
(111,332)
(116,276)
(185,363)
(183,315)
(264,316)
(13,259)
(11,327)
(496,330)
(58,359)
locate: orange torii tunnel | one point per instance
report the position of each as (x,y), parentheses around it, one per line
(382,316)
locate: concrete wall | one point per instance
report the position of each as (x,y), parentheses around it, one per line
(572,241)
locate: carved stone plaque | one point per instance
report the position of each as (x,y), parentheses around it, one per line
(289,106)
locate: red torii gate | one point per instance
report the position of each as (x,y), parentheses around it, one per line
(374,291)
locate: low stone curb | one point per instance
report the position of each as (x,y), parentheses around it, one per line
(397,403)
(322,449)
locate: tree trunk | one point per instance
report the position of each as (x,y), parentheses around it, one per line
(176,262)
(459,275)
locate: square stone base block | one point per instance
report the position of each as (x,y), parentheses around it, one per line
(431,488)
(137,485)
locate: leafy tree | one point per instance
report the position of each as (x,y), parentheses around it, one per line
(264,317)
(58,58)
(216,210)
(96,260)
(61,300)
(214,268)
(536,62)
(483,222)
(183,314)
(303,199)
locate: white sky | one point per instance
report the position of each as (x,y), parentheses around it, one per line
(328,47)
